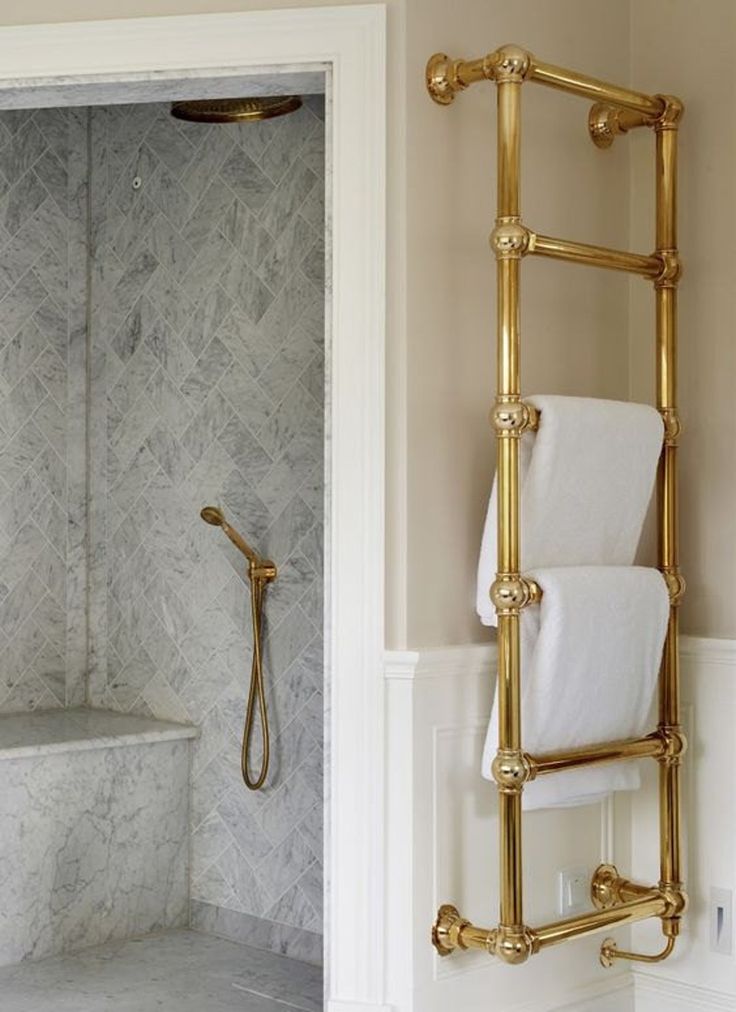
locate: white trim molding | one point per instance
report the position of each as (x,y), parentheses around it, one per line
(708,651)
(657,993)
(348,43)
(440,662)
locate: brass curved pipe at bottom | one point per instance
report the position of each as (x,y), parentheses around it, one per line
(611,952)
(256,692)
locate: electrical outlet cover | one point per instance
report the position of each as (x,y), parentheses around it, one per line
(573,891)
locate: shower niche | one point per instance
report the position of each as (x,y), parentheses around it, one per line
(162,307)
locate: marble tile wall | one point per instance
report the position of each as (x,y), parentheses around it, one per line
(43,172)
(94,843)
(207,386)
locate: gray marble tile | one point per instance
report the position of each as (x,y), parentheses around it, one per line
(288,253)
(295,908)
(246,180)
(214,362)
(287,198)
(196,399)
(262,934)
(288,143)
(181,969)
(60,894)
(209,315)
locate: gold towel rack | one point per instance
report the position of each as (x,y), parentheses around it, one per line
(616,901)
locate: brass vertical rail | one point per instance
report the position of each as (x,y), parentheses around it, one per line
(617,901)
(668,552)
(509,392)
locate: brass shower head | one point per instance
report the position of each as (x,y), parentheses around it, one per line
(211,515)
(263,568)
(235,110)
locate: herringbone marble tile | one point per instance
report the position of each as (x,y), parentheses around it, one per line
(39,227)
(208,379)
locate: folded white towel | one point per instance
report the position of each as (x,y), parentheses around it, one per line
(587,477)
(590,656)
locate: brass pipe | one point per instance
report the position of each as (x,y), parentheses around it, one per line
(509,391)
(446,76)
(451,931)
(652,746)
(667,505)
(610,951)
(592,88)
(652,905)
(596,256)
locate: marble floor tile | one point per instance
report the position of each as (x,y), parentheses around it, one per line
(179,971)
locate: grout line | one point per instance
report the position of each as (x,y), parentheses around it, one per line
(262,994)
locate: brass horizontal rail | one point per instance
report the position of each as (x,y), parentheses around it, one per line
(596,256)
(446,76)
(653,745)
(590,87)
(516,944)
(652,905)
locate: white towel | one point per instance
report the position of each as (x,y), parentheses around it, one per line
(587,477)
(590,656)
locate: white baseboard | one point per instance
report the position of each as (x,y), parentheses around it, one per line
(613,995)
(655,993)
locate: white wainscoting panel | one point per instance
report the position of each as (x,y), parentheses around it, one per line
(694,978)
(442,847)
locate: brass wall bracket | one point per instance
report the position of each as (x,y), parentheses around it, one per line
(445,77)
(607,122)
(509,594)
(447,930)
(609,890)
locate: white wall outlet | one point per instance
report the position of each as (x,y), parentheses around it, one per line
(573,891)
(721,921)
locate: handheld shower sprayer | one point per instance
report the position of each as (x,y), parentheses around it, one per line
(260,573)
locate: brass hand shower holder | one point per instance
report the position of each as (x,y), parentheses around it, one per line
(260,573)
(616,901)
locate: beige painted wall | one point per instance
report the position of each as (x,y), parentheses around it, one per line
(687,49)
(574,320)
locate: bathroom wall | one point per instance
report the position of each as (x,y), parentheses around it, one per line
(207,373)
(42,419)
(662,59)
(687,49)
(573,319)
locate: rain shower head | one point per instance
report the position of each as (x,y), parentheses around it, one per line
(235,110)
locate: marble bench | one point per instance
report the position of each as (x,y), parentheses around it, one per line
(94,835)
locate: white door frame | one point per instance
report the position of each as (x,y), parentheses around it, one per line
(349,42)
